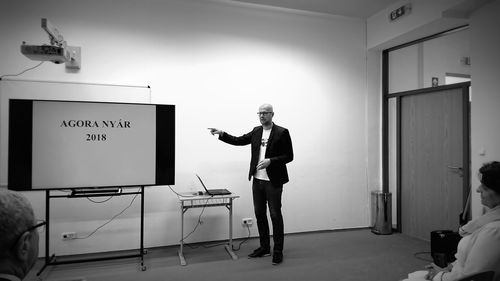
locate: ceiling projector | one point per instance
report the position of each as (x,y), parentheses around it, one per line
(57,52)
(51,53)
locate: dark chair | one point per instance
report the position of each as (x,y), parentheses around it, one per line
(483,276)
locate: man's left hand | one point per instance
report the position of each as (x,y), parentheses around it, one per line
(263,164)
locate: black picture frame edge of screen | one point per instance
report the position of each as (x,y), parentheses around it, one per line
(20,146)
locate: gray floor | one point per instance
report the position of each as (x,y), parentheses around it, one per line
(336,255)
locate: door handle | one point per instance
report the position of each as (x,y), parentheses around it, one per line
(459,170)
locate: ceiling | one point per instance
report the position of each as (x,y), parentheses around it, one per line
(349,8)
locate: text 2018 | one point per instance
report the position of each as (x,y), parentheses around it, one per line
(96,137)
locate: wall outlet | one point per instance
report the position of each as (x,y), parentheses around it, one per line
(247,221)
(68,235)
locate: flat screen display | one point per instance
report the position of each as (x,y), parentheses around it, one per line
(68,145)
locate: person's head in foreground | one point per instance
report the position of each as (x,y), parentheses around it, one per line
(18,235)
(489,176)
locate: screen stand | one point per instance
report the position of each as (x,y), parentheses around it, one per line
(52,259)
(86,192)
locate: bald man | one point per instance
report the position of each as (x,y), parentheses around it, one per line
(271,151)
(18,236)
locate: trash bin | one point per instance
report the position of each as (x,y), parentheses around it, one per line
(381,212)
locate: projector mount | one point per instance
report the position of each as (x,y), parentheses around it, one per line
(57,52)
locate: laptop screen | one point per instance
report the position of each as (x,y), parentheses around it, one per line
(202,183)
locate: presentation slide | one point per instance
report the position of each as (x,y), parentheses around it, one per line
(89,144)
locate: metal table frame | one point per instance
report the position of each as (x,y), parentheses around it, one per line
(204,201)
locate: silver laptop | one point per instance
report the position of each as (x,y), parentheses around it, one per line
(214,192)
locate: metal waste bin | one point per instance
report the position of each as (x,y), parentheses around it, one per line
(381,212)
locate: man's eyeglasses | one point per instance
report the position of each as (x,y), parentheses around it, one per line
(263,113)
(39,226)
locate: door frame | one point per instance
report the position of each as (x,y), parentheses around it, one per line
(386,96)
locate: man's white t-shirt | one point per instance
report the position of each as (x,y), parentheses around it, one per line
(262,173)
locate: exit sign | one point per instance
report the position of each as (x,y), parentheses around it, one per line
(399,12)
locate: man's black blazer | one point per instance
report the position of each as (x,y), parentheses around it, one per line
(279,151)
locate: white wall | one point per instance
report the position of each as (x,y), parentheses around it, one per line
(217,63)
(485,113)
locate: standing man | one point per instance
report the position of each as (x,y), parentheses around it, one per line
(271,150)
(18,236)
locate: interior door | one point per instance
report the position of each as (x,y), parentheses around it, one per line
(432,161)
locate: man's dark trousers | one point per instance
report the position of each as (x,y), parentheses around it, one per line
(264,191)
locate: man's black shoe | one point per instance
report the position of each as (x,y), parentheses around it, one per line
(277,258)
(260,252)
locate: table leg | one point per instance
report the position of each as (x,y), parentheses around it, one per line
(229,247)
(181,247)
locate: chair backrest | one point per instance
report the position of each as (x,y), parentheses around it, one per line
(483,276)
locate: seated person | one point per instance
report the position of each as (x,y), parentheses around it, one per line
(18,236)
(479,248)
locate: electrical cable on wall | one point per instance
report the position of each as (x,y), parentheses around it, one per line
(180,195)
(199,221)
(9,75)
(110,220)
(244,240)
(224,243)
(99,202)
(103,201)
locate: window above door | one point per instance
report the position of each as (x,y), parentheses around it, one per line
(429,63)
